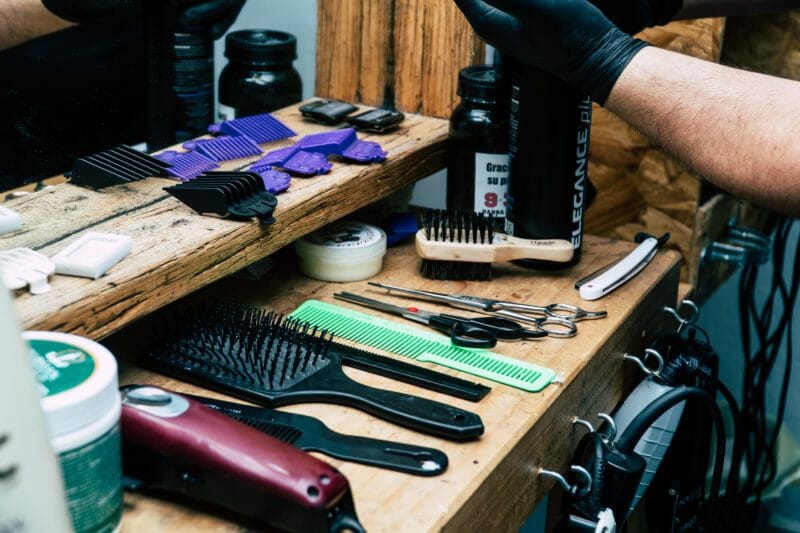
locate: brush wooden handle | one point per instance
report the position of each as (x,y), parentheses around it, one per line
(502,248)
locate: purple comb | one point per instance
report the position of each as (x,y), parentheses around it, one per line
(364,152)
(225,148)
(308,163)
(275,181)
(329,142)
(259,128)
(275,158)
(167,156)
(189,165)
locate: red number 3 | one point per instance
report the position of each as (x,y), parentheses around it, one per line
(490,199)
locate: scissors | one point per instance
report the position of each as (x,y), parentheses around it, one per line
(465,332)
(562,317)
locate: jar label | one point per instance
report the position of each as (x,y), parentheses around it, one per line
(491,184)
(93,481)
(344,234)
(59,366)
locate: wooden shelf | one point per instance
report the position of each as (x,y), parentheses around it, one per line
(175,250)
(491,484)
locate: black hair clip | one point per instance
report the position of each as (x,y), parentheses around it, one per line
(377,120)
(121,164)
(327,111)
(238,195)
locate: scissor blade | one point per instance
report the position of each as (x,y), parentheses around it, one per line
(453,300)
(382,306)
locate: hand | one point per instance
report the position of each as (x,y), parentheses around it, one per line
(632,16)
(570,39)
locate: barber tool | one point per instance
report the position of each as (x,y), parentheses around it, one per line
(115,166)
(562,316)
(238,195)
(376,120)
(465,332)
(602,282)
(227,148)
(20,267)
(176,445)
(269,360)
(327,111)
(422,345)
(186,165)
(311,435)
(410,373)
(463,245)
(260,129)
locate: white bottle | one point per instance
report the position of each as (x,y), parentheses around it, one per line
(32,495)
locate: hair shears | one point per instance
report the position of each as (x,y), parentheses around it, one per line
(557,320)
(481,332)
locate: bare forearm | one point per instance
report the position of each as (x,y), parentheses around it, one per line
(723,8)
(737,129)
(23,20)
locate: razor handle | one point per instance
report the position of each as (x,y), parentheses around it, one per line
(176,445)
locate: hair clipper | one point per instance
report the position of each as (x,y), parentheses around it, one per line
(176,445)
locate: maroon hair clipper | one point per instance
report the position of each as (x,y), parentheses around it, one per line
(175,445)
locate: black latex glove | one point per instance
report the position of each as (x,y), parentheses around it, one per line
(570,39)
(633,16)
(193,16)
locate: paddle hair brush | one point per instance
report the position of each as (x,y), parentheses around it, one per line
(462,245)
(261,357)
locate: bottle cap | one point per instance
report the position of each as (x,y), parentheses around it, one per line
(481,82)
(261,47)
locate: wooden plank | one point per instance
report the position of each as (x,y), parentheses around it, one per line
(491,483)
(177,251)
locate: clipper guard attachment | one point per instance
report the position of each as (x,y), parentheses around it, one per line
(186,165)
(227,148)
(259,128)
(238,195)
(121,164)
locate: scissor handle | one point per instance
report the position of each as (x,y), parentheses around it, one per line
(572,313)
(562,326)
(463,332)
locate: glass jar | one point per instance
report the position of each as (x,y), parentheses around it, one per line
(259,76)
(477,162)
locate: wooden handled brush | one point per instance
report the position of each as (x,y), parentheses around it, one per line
(457,245)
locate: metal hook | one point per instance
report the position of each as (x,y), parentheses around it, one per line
(611,430)
(576,489)
(694,313)
(643,366)
(581,422)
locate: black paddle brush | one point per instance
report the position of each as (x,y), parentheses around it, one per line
(261,357)
(462,245)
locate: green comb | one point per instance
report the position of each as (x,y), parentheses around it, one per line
(422,345)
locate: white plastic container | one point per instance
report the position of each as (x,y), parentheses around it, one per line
(342,251)
(31,490)
(81,401)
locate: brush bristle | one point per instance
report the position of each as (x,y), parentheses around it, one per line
(464,227)
(245,344)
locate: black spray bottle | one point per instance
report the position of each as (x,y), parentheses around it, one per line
(549,155)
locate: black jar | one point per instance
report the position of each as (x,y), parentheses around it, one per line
(477,160)
(259,76)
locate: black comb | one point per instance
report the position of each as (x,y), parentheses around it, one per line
(121,164)
(311,435)
(457,226)
(238,195)
(263,358)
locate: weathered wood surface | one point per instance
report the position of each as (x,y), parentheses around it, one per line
(175,250)
(491,484)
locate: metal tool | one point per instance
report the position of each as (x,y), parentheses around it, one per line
(562,316)
(465,332)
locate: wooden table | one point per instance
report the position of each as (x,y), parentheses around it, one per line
(491,484)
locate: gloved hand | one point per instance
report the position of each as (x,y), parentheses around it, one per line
(214,16)
(570,39)
(633,16)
